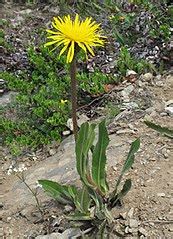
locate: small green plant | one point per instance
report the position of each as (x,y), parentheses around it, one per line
(41,106)
(163,130)
(127,62)
(94,201)
(93,83)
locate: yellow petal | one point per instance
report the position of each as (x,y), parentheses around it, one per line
(63,50)
(90,49)
(50,43)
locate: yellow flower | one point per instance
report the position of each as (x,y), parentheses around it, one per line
(64,101)
(84,34)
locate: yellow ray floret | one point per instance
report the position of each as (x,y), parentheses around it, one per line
(84,34)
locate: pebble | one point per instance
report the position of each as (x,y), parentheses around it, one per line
(130,72)
(171,229)
(171,202)
(127,230)
(169,110)
(147,77)
(142,231)
(161,194)
(68,208)
(66,132)
(130,213)
(70,124)
(133,223)
(52,152)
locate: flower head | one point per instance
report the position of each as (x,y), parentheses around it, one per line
(64,101)
(84,34)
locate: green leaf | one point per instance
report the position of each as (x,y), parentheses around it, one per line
(127,165)
(99,159)
(130,158)
(84,142)
(102,233)
(126,188)
(78,216)
(163,130)
(83,200)
(62,193)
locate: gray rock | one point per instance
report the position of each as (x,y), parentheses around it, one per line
(50,236)
(127,91)
(147,77)
(161,194)
(60,167)
(130,72)
(68,208)
(133,223)
(130,213)
(142,231)
(82,119)
(52,152)
(70,124)
(7,98)
(169,110)
(171,201)
(25,11)
(66,132)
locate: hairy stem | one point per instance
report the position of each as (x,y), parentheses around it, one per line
(74,95)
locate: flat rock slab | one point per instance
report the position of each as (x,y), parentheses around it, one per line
(60,168)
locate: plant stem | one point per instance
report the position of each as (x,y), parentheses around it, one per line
(74,95)
(34,193)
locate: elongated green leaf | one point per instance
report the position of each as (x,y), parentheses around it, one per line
(102,233)
(61,193)
(130,158)
(126,188)
(163,130)
(84,142)
(78,216)
(127,165)
(99,159)
(83,200)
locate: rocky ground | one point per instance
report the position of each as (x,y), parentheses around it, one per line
(146,212)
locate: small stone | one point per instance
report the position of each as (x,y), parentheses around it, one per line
(147,77)
(169,103)
(171,228)
(130,72)
(68,208)
(161,194)
(127,91)
(66,132)
(142,231)
(163,114)
(34,158)
(50,236)
(169,110)
(123,215)
(70,124)
(171,202)
(127,230)
(9,219)
(82,119)
(26,11)
(52,152)
(133,223)
(130,213)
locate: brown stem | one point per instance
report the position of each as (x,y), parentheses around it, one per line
(74,95)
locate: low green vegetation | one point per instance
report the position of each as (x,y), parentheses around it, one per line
(42,102)
(94,201)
